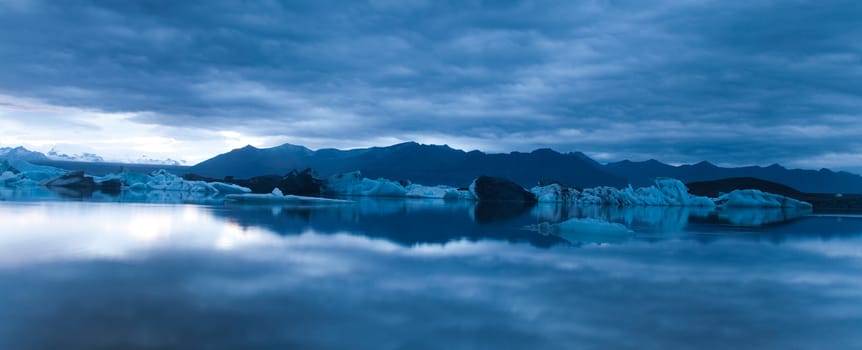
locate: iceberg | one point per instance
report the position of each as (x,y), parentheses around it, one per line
(17,174)
(354,184)
(277,197)
(226,188)
(10,179)
(438,192)
(162,180)
(28,174)
(665,192)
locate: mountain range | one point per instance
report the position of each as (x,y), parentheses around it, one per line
(57,154)
(21,153)
(426,164)
(433,164)
(67,153)
(810,181)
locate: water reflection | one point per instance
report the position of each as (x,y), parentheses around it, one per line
(104,275)
(407,222)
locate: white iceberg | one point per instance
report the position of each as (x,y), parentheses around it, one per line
(665,192)
(226,188)
(22,173)
(354,184)
(162,180)
(439,192)
(10,179)
(277,197)
(758,199)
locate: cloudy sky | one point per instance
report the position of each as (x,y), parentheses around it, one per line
(733,82)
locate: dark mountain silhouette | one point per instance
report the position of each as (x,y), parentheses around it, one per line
(811,181)
(823,202)
(716,187)
(426,164)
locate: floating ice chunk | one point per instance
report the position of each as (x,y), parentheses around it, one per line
(665,192)
(19,173)
(354,184)
(24,174)
(225,188)
(554,193)
(8,178)
(758,199)
(32,172)
(444,192)
(163,180)
(277,192)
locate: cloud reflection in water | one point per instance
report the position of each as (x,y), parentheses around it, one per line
(339,288)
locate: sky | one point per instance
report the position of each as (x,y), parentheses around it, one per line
(732,82)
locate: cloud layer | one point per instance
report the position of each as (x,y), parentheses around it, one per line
(679,81)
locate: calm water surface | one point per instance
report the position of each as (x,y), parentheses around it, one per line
(422,275)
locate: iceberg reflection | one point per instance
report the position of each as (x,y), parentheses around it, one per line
(760,216)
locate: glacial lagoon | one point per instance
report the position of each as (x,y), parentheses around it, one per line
(168,272)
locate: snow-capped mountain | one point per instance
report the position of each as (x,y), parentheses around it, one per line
(21,153)
(76,153)
(73,153)
(155,161)
(79,153)
(54,154)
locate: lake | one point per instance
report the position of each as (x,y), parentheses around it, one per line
(421,274)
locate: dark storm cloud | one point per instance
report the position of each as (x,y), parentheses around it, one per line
(674,80)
